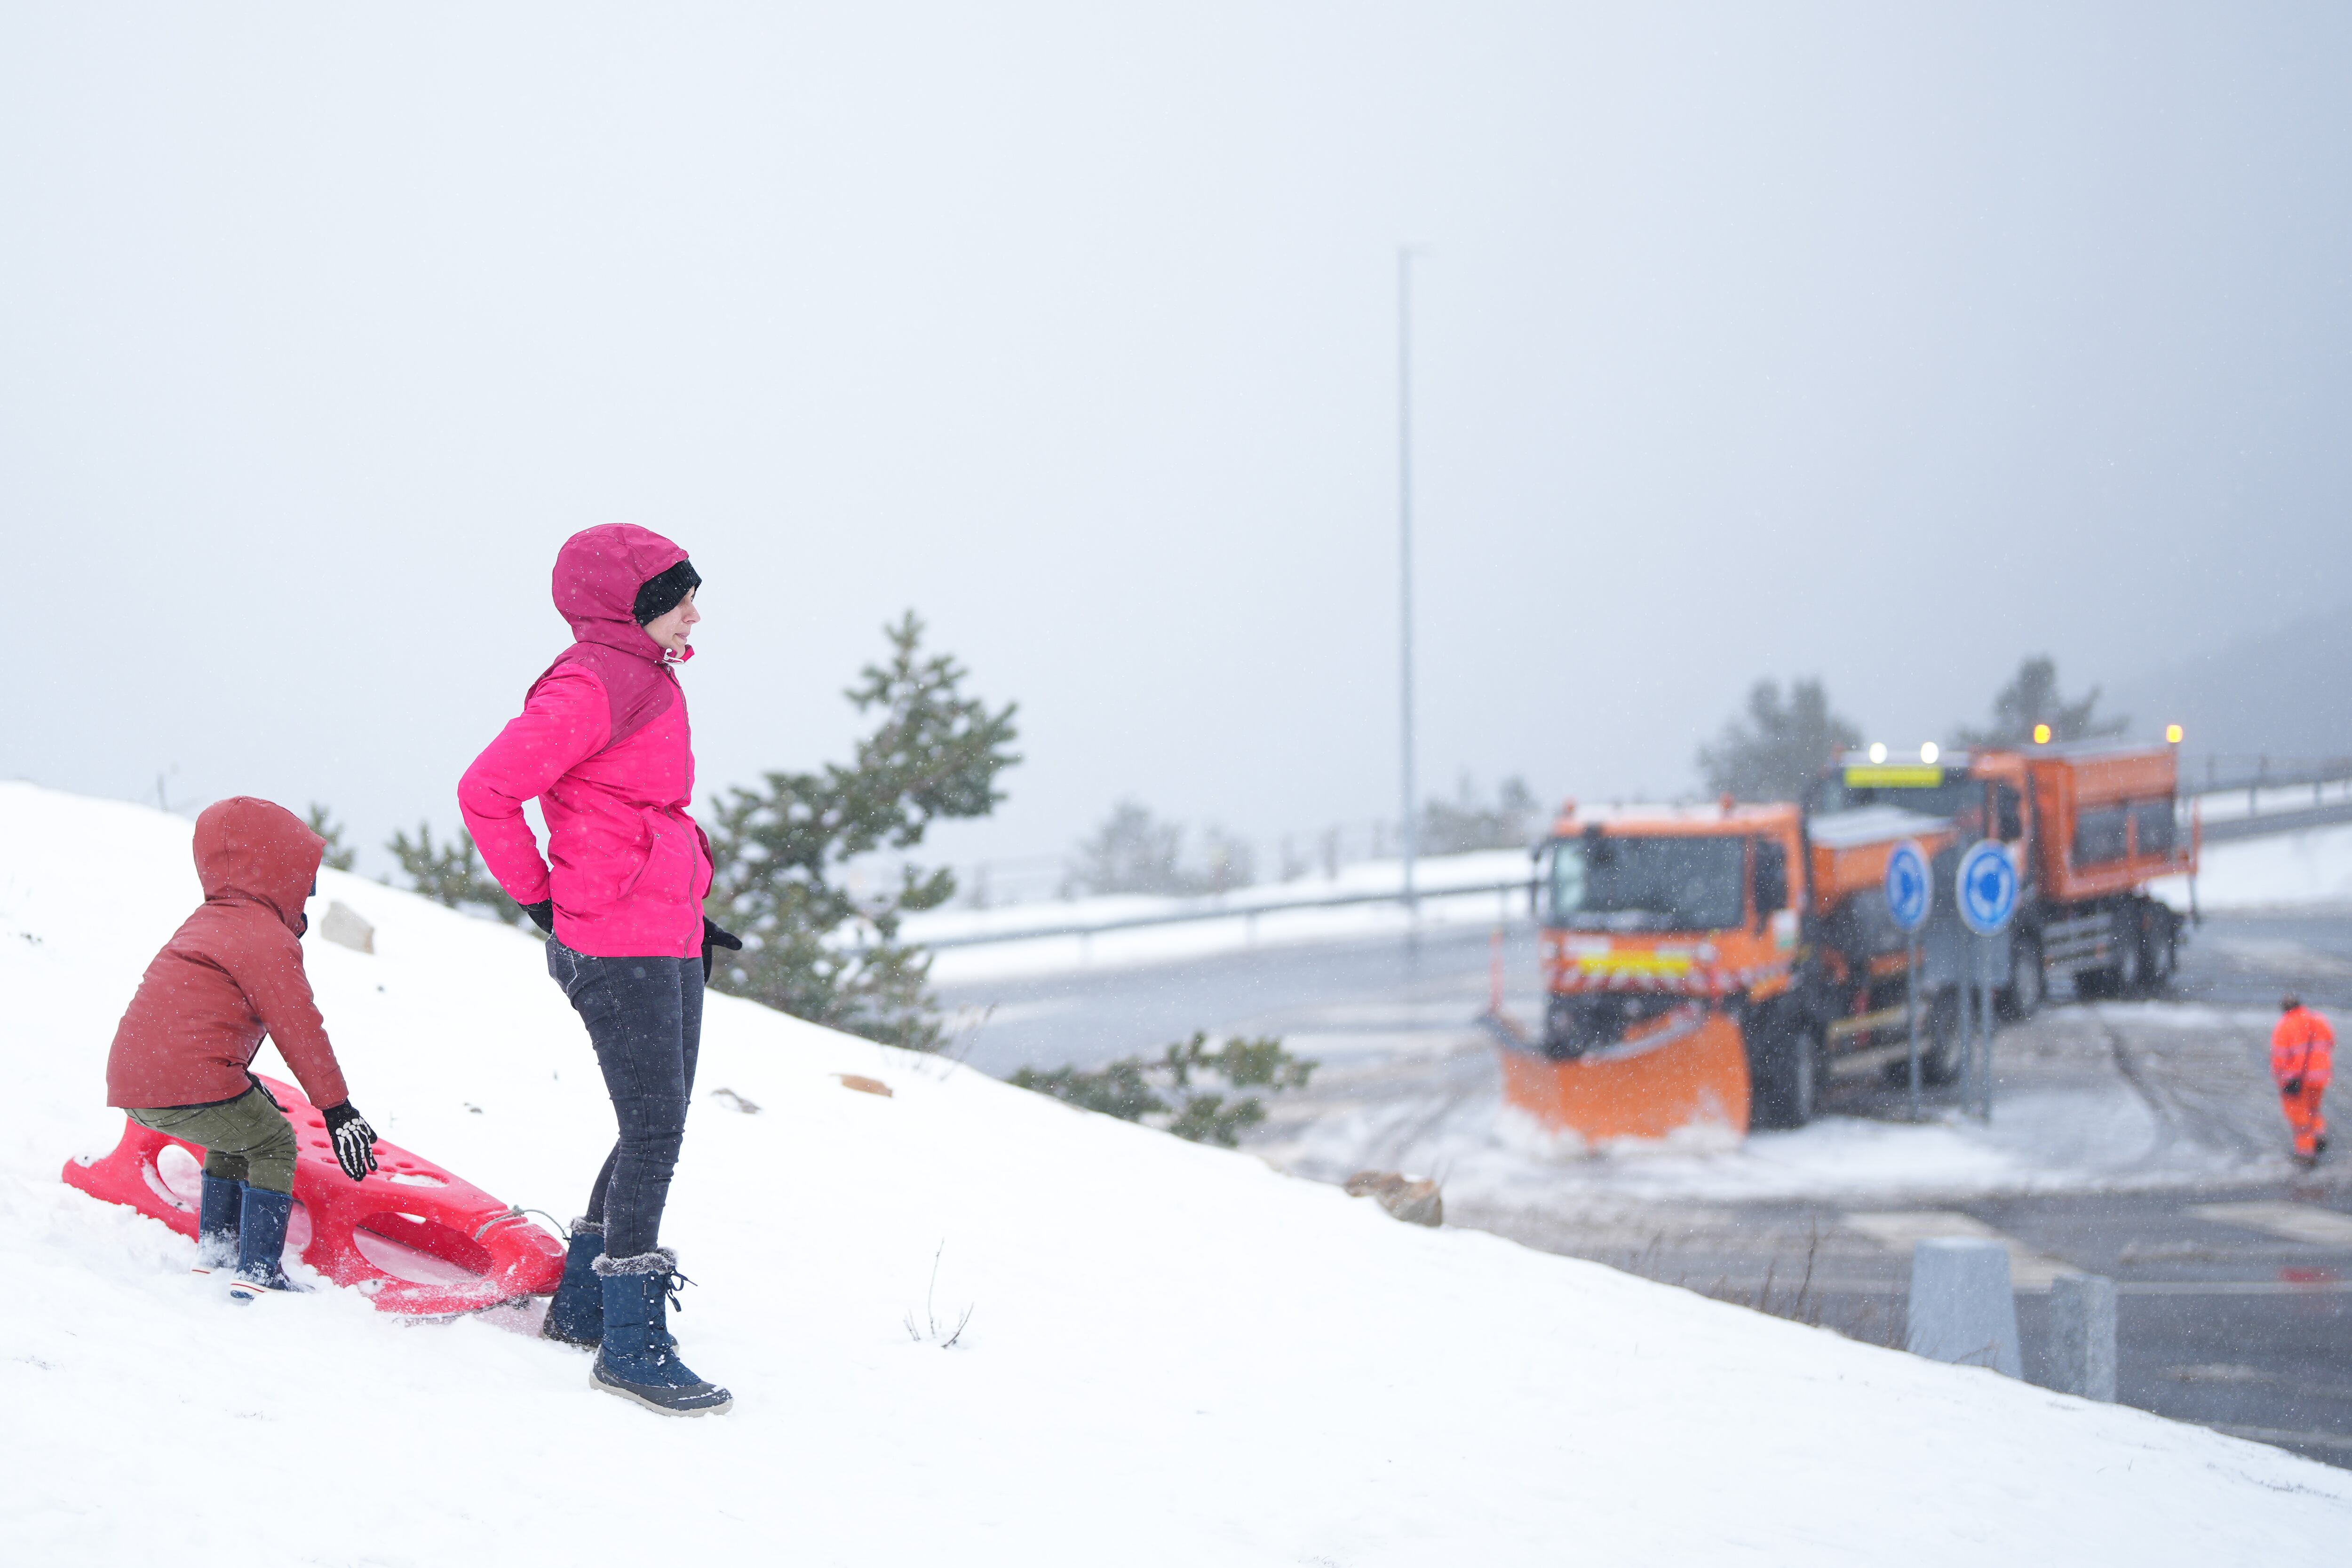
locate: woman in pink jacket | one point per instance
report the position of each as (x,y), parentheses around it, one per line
(602,744)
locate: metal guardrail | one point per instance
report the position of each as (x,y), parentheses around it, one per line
(1190,917)
(2224,774)
(2259,775)
(2227,829)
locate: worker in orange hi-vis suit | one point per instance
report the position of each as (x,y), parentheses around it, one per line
(2302,1051)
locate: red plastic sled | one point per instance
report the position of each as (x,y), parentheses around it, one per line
(413,1237)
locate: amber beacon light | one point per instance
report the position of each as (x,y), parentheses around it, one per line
(2172,733)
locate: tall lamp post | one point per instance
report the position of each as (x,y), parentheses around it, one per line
(1412,834)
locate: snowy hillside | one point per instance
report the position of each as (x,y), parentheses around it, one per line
(1175,1355)
(2285,870)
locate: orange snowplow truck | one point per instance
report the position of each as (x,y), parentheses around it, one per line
(2092,826)
(1708,967)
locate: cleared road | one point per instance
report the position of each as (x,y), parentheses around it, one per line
(2140,1141)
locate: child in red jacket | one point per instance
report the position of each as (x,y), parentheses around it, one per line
(2302,1055)
(183,1055)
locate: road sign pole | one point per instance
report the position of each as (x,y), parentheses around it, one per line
(1910,897)
(1987,884)
(1968,1022)
(1911,1016)
(1975,1021)
(1984,1016)
(1988,1030)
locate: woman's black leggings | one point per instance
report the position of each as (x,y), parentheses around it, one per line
(644,1017)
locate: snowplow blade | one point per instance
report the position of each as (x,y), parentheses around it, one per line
(1688,1071)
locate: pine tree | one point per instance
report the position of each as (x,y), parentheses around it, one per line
(1782,744)
(2032,698)
(1140,1089)
(812,949)
(453,874)
(1456,826)
(339,856)
(1133,851)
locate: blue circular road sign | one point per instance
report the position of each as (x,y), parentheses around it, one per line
(1988,887)
(1909,896)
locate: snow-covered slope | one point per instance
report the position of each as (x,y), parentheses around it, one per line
(1175,1354)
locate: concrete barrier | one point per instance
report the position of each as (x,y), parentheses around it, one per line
(1962,1308)
(2083,1336)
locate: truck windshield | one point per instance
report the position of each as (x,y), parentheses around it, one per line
(1678,883)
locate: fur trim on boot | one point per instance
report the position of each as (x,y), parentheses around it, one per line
(660,1260)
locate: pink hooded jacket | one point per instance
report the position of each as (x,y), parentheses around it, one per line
(603,744)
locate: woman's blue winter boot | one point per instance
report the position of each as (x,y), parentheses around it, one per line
(260,1240)
(217,1221)
(576,1315)
(639,1359)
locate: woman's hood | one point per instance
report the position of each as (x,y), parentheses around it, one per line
(597,574)
(261,850)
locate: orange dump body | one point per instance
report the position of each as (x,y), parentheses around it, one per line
(2109,822)
(2092,825)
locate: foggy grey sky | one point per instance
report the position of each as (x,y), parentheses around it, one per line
(1889,343)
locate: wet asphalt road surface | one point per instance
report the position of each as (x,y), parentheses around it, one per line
(2234,1282)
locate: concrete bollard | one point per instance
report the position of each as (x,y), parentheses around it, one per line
(1962,1310)
(2083,1336)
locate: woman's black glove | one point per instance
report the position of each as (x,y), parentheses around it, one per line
(354,1140)
(714,936)
(542,914)
(2291,1086)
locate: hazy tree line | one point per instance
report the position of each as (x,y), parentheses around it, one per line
(1780,740)
(1133,851)
(1771,750)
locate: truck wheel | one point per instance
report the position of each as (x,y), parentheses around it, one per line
(1784,1071)
(2131,954)
(2159,948)
(2029,985)
(1941,1054)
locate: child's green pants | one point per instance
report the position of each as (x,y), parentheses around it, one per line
(247,1139)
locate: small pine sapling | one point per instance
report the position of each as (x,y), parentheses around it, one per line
(453,874)
(812,946)
(1160,1093)
(339,856)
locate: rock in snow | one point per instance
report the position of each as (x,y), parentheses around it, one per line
(343,926)
(1174,1355)
(1414,1202)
